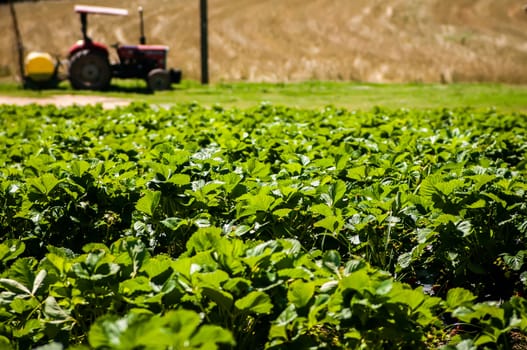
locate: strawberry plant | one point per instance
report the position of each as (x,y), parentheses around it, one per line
(268,227)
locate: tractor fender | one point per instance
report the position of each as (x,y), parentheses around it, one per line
(90,45)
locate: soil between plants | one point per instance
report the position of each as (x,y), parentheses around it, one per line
(65,100)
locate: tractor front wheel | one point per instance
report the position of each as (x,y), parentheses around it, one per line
(158,79)
(89,71)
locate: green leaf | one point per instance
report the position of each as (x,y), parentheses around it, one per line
(220,297)
(136,329)
(322,209)
(413,298)
(22,271)
(98,249)
(281,213)
(331,261)
(213,279)
(132,252)
(523,278)
(357,173)
(287,316)
(95,268)
(336,192)
(180,179)
(241,230)
(79,167)
(22,305)
(11,249)
(53,311)
(31,327)
(157,265)
(293,168)
(354,265)
(174,223)
(467,344)
(515,262)
(55,263)
(14,286)
(485,339)
(434,184)
(465,227)
(404,260)
(149,202)
(107,331)
(139,285)
(495,198)
(94,258)
(447,188)
(384,287)
(330,224)
(481,180)
(237,285)
(255,302)
(212,334)
(300,293)
(459,297)
(204,239)
(358,281)
(256,203)
(39,279)
(480,203)
(105,270)
(257,169)
(43,184)
(182,323)
(52,346)
(5,343)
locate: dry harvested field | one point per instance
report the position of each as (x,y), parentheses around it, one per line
(295,40)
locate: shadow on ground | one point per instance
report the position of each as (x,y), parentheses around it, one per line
(64,87)
(137,89)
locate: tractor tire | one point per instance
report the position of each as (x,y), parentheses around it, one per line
(89,71)
(158,79)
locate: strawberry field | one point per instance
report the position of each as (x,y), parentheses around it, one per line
(263,228)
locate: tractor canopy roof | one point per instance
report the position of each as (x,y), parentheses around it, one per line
(100,10)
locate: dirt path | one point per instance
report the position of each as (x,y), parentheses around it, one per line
(65,100)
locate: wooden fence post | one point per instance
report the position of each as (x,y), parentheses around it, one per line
(204,42)
(18,38)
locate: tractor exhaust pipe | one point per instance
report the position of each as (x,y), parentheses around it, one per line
(142,39)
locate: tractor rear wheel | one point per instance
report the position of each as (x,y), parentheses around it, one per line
(158,79)
(89,70)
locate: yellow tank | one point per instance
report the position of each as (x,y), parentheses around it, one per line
(40,66)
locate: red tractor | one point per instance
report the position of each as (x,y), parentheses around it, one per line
(90,67)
